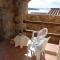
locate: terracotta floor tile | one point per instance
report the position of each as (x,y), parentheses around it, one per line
(8,52)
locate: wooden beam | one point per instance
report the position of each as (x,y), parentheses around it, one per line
(51,34)
(41,22)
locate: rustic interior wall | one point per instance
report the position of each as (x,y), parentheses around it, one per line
(1,25)
(51,27)
(7,17)
(44,18)
(22,11)
(13,13)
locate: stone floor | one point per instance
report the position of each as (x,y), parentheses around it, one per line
(8,52)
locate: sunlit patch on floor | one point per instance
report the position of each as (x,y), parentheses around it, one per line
(28,54)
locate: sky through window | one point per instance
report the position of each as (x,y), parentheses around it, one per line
(42,5)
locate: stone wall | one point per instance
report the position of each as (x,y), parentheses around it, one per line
(44,18)
(7,17)
(13,12)
(22,11)
(53,28)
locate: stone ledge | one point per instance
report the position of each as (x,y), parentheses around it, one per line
(51,49)
(41,22)
(51,34)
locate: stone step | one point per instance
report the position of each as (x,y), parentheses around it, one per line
(51,49)
(50,57)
